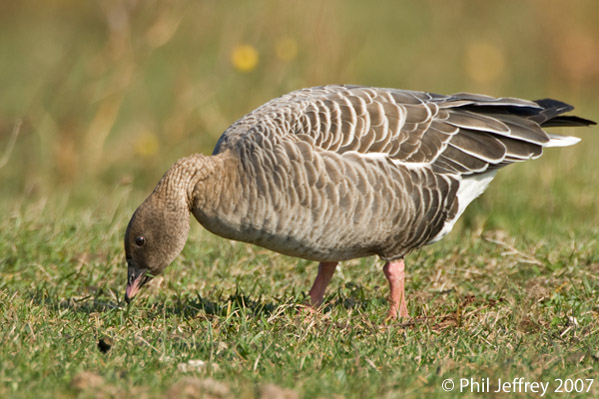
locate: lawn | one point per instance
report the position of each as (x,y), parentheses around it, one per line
(99,99)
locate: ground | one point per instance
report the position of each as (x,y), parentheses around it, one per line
(100,98)
(484,302)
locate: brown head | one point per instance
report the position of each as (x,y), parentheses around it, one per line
(158,229)
(156,234)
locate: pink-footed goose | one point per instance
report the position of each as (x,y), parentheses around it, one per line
(340,172)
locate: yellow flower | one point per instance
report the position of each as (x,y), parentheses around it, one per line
(244,57)
(286,49)
(147,144)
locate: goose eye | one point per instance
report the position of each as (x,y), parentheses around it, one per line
(140,241)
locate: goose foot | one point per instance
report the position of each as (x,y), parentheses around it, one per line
(325,273)
(394,271)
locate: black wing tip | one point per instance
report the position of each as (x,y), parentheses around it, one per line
(551,114)
(555,105)
(568,120)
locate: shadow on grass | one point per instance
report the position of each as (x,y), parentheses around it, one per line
(238,305)
(352,296)
(91,303)
(182,306)
(222,307)
(349,297)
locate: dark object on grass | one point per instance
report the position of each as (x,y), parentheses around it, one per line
(104,344)
(340,172)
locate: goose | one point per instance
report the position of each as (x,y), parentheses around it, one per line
(334,173)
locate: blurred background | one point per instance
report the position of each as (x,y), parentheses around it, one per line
(103,94)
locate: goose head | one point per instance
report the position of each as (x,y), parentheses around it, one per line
(155,235)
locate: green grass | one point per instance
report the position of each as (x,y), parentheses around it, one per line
(482,304)
(109,97)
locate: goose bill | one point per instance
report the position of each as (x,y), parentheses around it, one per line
(136,278)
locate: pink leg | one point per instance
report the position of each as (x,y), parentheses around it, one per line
(394,271)
(325,272)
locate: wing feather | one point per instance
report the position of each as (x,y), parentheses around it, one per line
(458,134)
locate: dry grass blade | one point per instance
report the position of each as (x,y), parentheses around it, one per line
(11,143)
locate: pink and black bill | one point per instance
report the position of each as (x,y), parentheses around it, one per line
(136,278)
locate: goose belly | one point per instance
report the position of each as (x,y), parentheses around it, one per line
(320,231)
(331,208)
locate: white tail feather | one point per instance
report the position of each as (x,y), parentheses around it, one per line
(561,141)
(470,188)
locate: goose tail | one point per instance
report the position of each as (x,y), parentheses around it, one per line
(551,116)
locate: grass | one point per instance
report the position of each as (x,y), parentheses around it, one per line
(109,97)
(482,304)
